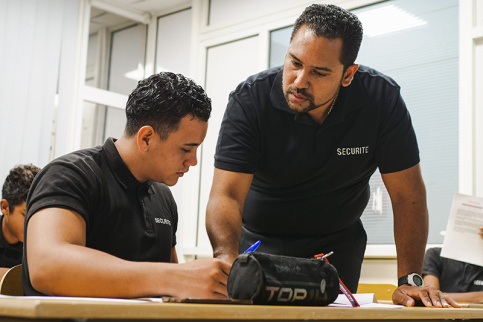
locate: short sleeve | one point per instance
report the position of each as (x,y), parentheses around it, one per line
(397,146)
(238,147)
(432,263)
(63,184)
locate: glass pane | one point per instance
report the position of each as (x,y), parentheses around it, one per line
(91,68)
(126,66)
(243,64)
(115,122)
(416,43)
(279,42)
(92,125)
(174,31)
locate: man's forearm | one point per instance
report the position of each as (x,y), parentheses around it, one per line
(223,224)
(411,233)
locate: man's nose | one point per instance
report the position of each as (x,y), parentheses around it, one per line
(301,81)
(192,161)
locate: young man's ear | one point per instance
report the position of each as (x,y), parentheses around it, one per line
(349,75)
(4,207)
(144,138)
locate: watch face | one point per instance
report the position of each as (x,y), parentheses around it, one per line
(417,280)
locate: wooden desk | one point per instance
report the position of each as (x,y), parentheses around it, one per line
(52,309)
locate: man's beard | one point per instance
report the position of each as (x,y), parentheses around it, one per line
(308,97)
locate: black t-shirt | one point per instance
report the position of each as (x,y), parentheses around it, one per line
(125,218)
(454,276)
(310,179)
(10,254)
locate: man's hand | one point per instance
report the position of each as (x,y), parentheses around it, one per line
(228,258)
(206,278)
(429,296)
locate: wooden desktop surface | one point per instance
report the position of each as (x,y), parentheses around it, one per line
(52,309)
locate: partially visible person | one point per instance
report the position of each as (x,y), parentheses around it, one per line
(14,195)
(102,222)
(462,281)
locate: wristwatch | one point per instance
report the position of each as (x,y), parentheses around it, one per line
(411,279)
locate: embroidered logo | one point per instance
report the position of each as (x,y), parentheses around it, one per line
(478,282)
(162,221)
(353,151)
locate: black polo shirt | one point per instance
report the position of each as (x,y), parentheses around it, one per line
(312,180)
(125,218)
(454,276)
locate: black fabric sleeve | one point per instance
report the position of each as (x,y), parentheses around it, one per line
(238,147)
(397,147)
(63,184)
(432,262)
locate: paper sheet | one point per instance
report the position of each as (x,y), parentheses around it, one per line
(364,300)
(462,241)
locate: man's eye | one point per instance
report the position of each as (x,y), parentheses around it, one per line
(186,150)
(296,63)
(319,74)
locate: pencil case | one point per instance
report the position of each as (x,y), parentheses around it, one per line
(282,280)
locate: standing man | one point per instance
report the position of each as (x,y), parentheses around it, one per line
(102,222)
(297,147)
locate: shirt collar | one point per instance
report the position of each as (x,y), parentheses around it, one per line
(120,170)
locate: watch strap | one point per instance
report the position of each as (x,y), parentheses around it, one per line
(410,280)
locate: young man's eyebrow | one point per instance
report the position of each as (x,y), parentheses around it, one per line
(325,69)
(191,144)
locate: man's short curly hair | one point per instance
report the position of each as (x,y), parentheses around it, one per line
(162,100)
(17,184)
(330,21)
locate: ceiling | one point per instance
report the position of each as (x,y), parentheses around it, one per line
(110,13)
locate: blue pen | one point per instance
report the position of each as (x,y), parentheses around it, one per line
(253,247)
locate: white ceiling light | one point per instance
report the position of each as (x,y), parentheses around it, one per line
(387,19)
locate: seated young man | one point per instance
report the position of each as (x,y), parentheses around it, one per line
(14,194)
(462,281)
(102,222)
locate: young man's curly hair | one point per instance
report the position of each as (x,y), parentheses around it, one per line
(17,184)
(162,100)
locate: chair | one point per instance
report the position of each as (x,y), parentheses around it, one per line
(11,283)
(383,292)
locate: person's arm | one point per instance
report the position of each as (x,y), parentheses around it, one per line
(431,280)
(408,197)
(464,297)
(60,264)
(3,270)
(467,297)
(174,256)
(224,212)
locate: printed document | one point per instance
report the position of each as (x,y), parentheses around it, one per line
(462,241)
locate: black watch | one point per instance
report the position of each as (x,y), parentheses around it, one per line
(411,279)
